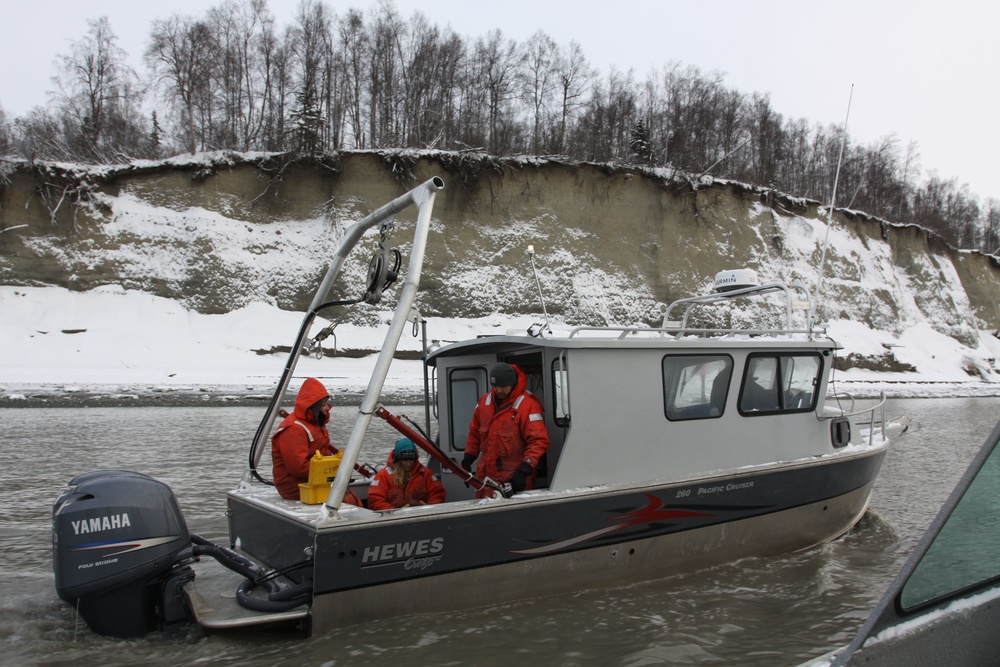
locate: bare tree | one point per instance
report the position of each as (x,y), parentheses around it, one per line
(242,31)
(768,139)
(354,47)
(612,115)
(420,52)
(880,181)
(312,36)
(540,81)
(6,134)
(991,227)
(180,56)
(97,95)
(385,86)
(276,66)
(910,169)
(449,75)
(574,78)
(39,135)
(497,62)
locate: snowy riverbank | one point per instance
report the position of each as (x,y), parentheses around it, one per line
(109,346)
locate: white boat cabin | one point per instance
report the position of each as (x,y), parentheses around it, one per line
(628,406)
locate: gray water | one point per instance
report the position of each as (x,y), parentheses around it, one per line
(762,611)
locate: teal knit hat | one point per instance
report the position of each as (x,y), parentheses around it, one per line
(405,449)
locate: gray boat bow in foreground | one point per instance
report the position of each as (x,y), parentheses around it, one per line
(943,607)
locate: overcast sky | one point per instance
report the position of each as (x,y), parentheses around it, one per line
(925,71)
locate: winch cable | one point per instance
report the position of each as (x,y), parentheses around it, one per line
(276,398)
(424,443)
(416,426)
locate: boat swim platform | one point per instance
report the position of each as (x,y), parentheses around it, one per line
(212,596)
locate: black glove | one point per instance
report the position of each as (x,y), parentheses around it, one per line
(520,477)
(467,461)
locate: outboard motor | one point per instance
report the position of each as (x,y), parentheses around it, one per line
(119,542)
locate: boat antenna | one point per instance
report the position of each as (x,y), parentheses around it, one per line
(829,212)
(546,328)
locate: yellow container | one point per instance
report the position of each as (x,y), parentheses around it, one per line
(313,495)
(322,469)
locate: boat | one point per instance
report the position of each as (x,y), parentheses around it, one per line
(943,606)
(672,447)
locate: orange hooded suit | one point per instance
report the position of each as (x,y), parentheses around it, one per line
(297,439)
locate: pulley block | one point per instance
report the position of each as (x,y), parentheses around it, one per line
(383,271)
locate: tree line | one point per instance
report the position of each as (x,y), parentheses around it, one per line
(234,79)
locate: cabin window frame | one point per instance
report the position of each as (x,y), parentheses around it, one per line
(560,391)
(784,395)
(671,382)
(480,376)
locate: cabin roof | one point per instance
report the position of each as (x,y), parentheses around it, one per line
(641,340)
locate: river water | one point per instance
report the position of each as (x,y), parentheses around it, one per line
(762,611)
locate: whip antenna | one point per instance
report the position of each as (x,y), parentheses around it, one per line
(829,212)
(545,328)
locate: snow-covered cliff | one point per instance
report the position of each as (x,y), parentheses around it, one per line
(218,233)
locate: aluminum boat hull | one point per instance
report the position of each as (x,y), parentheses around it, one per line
(367,566)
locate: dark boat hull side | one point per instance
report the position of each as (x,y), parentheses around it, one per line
(601,567)
(494,552)
(275,540)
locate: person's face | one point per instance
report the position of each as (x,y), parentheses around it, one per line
(407,463)
(502,392)
(324,411)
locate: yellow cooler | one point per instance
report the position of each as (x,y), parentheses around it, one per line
(322,470)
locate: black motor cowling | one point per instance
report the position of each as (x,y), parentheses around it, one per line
(118,541)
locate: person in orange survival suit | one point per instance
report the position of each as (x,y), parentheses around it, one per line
(299,436)
(507,432)
(404,482)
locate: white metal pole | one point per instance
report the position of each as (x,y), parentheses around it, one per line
(829,214)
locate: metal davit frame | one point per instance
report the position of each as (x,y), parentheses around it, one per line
(422,197)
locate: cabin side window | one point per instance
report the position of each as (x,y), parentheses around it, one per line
(695,386)
(465,386)
(780,383)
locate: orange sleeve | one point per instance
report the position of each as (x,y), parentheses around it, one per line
(378,491)
(435,489)
(533,430)
(472,444)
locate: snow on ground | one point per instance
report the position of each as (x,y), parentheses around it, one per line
(110,340)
